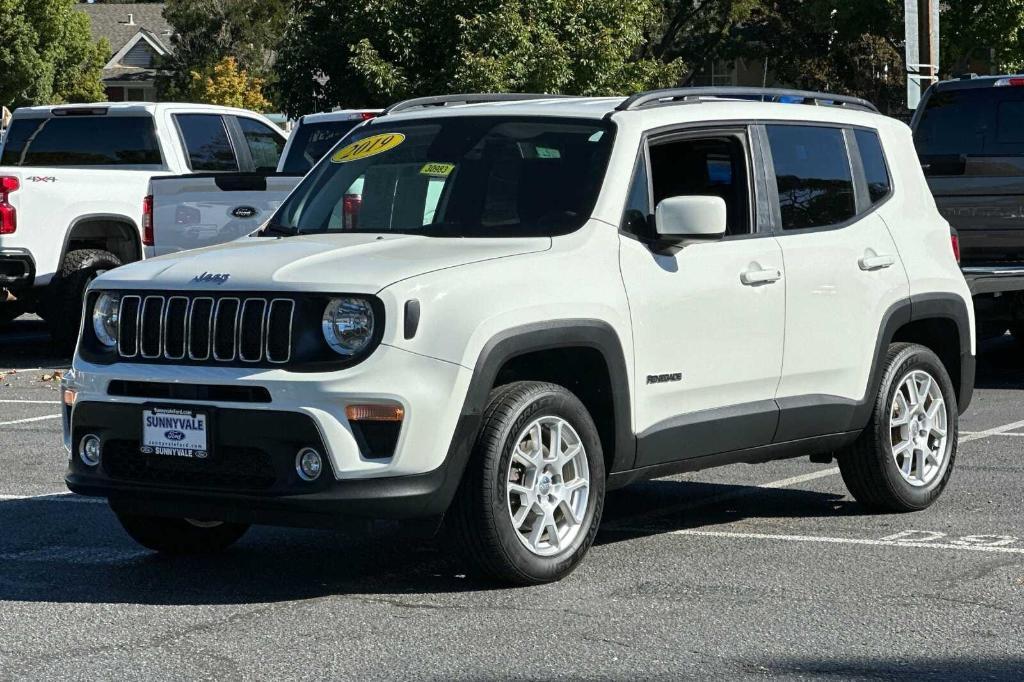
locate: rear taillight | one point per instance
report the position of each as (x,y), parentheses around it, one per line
(8,214)
(955,239)
(367,115)
(350,206)
(147,221)
(1016,82)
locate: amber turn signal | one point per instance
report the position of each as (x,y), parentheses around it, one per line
(375,413)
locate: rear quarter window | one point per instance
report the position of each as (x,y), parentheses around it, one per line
(876,173)
(82,141)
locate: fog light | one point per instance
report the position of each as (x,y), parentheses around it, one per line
(90,450)
(309,464)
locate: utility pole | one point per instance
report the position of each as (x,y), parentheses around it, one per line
(922,39)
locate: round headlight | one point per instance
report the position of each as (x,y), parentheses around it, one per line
(348,325)
(105,320)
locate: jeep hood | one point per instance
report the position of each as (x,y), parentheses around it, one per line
(357,263)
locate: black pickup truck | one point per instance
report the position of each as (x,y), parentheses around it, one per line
(969,134)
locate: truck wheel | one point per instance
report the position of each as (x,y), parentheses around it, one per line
(64,308)
(181,536)
(530,502)
(904,457)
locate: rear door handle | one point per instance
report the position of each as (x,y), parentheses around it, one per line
(874,262)
(756,276)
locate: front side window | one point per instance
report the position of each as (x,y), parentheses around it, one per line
(480,176)
(67,141)
(207,142)
(265,145)
(813,176)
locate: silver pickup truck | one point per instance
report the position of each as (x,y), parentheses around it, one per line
(202,209)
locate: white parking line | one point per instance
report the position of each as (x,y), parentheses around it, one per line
(848,541)
(66,496)
(30,419)
(55,401)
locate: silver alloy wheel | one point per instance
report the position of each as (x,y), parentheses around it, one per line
(548,485)
(918,428)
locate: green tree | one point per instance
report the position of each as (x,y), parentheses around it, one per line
(47,55)
(372,53)
(207,31)
(227,84)
(983,31)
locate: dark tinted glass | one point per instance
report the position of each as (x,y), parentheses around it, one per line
(972,122)
(875,170)
(812,171)
(311,141)
(485,176)
(265,145)
(207,143)
(638,203)
(82,141)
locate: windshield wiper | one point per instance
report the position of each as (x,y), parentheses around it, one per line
(279,230)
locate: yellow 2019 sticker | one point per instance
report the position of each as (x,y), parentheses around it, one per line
(368,146)
(437,170)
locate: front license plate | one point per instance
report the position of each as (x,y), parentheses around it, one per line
(175,433)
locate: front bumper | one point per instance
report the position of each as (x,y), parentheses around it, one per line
(250,475)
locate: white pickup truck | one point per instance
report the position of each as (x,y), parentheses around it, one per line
(203,209)
(73,191)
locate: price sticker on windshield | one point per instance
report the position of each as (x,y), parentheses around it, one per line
(437,170)
(367,147)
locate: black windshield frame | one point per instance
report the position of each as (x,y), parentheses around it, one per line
(558,136)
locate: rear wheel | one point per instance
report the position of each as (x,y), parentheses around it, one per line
(903,459)
(63,312)
(181,536)
(530,502)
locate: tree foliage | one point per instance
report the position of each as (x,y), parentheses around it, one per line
(985,29)
(207,31)
(227,84)
(47,55)
(372,53)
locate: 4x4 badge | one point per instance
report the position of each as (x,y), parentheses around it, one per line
(218,278)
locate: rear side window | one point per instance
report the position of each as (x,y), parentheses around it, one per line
(207,142)
(311,141)
(265,145)
(873,159)
(82,141)
(812,172)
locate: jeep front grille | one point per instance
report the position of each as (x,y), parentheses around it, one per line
(206,329)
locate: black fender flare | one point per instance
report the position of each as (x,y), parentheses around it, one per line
(531,338)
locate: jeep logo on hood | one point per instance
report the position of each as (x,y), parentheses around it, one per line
(245,212)
(213,278)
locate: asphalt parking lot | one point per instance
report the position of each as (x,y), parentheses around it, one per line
(745,571)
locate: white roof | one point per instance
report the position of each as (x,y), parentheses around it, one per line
(338,115)
(128,108)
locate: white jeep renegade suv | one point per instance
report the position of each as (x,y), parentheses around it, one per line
(536,300)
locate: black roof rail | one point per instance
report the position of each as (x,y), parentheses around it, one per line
(466,98)
(689,95)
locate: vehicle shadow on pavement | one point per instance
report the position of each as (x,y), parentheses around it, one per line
(1000,363)
(62,549)
(25,343)
(995,668)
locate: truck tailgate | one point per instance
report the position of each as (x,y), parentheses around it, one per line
(192,211)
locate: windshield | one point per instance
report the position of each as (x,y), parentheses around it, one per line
(972,122)
(481,176)
(311,141)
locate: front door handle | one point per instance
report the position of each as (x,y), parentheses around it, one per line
(756,276)
(871,261)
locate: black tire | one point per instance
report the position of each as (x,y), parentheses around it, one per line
(63,309)
(869,467)
(180,536)
(478,525)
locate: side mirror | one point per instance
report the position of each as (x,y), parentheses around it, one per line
(690,218)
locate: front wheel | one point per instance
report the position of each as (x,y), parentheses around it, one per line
(530,502)
(904,458)
(181,536)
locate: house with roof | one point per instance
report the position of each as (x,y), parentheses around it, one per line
(139,36)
